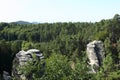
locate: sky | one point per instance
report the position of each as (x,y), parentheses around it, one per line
(58,10)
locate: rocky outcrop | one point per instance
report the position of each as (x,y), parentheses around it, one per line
(21,59)
(95,53)
(6,76)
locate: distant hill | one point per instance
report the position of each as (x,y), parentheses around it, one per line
(22,22)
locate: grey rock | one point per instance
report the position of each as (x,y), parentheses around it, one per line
(95,53)
(24,56)
(6,76)
(21,59)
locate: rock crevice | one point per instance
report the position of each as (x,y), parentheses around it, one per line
(95,54)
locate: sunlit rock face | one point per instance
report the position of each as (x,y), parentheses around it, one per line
(21,59)
(95,53)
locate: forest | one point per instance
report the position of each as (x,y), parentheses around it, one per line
(63,44)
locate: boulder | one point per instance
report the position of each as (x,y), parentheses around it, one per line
(21,59)
(6,76)
(95,54)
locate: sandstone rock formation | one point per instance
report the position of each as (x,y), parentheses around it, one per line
(21,59)
(6,76)
(95,53)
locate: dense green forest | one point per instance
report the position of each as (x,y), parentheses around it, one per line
(64,44)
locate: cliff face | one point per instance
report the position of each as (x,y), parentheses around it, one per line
(95,53)
(21,59)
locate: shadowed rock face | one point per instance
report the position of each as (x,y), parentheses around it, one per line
(21,59)
(6,76)
(95,53)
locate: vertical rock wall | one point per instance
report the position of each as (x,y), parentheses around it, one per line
(95,53)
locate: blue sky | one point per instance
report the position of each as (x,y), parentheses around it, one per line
(58,10)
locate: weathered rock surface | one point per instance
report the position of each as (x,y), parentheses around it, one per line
(6,76)
(95,53)
(21,59)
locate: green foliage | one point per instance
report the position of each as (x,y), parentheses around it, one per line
(115,75)
(107,70)
(80,71)
(57,67)
(26,45)
(15,47)
(68,39)
(118,49)
(108,63)
(101,35)
(33,69)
